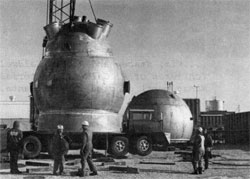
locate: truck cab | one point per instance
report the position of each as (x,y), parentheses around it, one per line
(139,120)
(144,131)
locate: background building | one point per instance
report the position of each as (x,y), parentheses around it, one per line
(194,106)
(213,120)
(237,128)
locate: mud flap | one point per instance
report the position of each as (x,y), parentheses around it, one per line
(168,137)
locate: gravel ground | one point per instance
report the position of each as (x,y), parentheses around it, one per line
(229,162)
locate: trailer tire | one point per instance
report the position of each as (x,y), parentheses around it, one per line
(31,147)
(119,146)
(143,145)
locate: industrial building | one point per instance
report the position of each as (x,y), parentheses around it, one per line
(225,126)
(237,128)
(194,106)
(213,120)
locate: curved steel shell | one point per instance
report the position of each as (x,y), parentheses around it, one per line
(78,75)
(170,108)
(100,121)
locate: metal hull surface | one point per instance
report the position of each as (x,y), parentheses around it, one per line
(78,80)
(168,107)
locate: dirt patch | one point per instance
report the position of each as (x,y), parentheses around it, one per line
(226,163)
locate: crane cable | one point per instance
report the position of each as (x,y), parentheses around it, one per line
(47,12)
(92,10)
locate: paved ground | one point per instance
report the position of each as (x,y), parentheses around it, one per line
(229,162)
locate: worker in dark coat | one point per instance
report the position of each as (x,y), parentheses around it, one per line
(198,151)
(208,147)
(60,147)
(14,138)
(86,150)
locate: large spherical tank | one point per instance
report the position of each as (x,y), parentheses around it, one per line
(78,80)
(176,115)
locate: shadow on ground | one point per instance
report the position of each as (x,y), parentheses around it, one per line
(95,155)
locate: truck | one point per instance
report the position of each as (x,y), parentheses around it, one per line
(153,119)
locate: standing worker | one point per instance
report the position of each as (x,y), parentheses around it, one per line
(208,147)
(14,137)
(86,150)
(198,151)
(59,148)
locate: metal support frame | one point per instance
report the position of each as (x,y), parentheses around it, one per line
(60,11)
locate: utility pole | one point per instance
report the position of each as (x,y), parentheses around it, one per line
(196,90)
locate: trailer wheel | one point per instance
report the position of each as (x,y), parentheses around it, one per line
(143,146)
(119,146)
(31,147)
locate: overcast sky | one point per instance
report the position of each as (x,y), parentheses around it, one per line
(191,42)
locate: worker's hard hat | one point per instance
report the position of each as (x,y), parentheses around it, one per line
(60,127)
(85,123)
(16,124)
(200,129)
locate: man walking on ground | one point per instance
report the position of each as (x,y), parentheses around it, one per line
(59,148)
(198,151)
(14,138)
(208,147)
(86,150)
